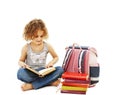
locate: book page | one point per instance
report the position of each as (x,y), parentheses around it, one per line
(32,70)
(42,72)
(46,71)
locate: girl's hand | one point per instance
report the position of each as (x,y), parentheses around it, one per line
(23,64)
(49,65)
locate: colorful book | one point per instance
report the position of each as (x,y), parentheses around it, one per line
(73,88)
(74,75)
(75,84)
(74,92)
(76,81)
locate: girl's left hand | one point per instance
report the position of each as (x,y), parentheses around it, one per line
(49,65)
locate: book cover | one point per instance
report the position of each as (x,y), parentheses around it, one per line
(74,92)
(73,88)
(74,75)
(77,81)
(75,84)
(42,72)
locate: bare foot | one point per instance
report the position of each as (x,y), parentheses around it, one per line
(26,86)
(55,83)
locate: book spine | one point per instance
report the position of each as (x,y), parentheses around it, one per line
(73,88)
(75,84)
(75,76)
(74,92)
(76,81)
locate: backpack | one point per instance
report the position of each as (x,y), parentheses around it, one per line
(82,59)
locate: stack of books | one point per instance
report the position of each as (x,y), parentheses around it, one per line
(74,83)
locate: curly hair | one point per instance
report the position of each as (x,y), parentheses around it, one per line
(32,27)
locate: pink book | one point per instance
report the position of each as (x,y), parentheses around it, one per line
(76,81)
(74,92)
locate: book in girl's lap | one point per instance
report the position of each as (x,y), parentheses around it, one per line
(34,55)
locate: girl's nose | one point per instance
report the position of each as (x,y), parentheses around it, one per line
(39,38)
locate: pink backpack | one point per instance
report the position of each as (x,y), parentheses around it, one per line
(82,59)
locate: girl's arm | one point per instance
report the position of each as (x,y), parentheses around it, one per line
(54,56)
(23,57)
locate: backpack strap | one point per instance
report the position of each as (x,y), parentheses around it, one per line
(84,62)
(67,58)
(80,61)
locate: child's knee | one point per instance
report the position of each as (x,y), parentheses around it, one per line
(59,69)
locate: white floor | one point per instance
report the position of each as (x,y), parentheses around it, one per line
(49,90)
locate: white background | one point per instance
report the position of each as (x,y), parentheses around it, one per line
(87,22)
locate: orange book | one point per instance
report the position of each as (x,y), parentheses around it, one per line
(74,75)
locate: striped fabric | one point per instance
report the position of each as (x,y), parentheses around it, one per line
(69,63)
(66,59)
(94,73)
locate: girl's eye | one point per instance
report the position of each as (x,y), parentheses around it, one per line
(36,36)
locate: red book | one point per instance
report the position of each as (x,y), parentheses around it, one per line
(74,92)
(74,75)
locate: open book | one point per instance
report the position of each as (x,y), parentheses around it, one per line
(42,72)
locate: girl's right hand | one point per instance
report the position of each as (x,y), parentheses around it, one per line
(23,64)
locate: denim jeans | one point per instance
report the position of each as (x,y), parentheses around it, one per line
(38,82)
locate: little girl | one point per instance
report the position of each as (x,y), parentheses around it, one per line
(34,55)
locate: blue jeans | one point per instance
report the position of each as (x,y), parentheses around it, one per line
(38,82)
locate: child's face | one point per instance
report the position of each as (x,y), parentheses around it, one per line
(38,37)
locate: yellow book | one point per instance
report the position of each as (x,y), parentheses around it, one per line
(74,88)
(42,72)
